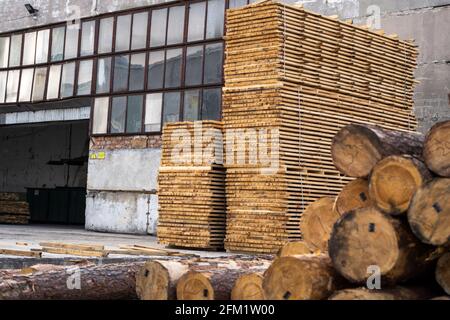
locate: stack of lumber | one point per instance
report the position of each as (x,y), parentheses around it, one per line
(304,76)
(13,208)
(192,186)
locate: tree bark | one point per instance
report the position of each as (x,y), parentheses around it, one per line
(294,248)
(305,277)
(45,282)
(366,242)
(249,287)
(443,272)
(429,212)
(396,293)
(393,182)
(436,151)
(355,195)
(357,148)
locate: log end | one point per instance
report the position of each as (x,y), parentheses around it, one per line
(294,248)
(355,195)
(194,286)
(248,287)
(436,152)
(443,272)
(152,282)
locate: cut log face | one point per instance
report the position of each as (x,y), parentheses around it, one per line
(294,249)
(194,286)
(443,272)
(248,287)
(436,151)
(355,195)
(397,293)
(307,277)
(317,222)
(393,182)
(429,212)
(366,238)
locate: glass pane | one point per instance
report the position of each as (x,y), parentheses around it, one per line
(173,68)
(121,64)
(100,116)
(123,33)
(194,65)
(16,50)
(71,49)
(118,112)
(40,76)
(103,75)
(29,48)
(158,28)
(85,77)
(87,38)
(3,78)
(134,114)
(156,69)
(12,87)
(26,82)
(67,80)
(237,3)
(215,21)
(213,63)
(105,35)
(153,108)
(58,36)
(4,51)
(191,105)
(42,46)
(137,71)
(196,30)
(175,30)
(171,111)
(139,38)
(211,106)
(54,78)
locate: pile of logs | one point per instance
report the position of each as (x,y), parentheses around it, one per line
(13,208)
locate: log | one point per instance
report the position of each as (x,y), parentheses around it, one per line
(436,150)
(305,277)
(355,195)
(441,298)
(443,272)
(396,293)
(429,212)
(294,248)
(48,282)
(249,287)
(317,222)
(357,148)
(393,182)
(365,238)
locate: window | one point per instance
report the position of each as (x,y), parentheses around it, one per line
(121,65)
(134,114)
(3,78)
(54,79)
(213,63)
(123,33)
(84,83)
(211,106)
(105,35)
(215,20)
(118,114)
(139,35)
(191,105)
(194,65)
(237,3)
(58,38)
(40,76)
(137,71)
(196,29)
(173,68)
(156,69)
(153,108)
(158,28)
(4,51)
(171,107)
(42,46)
(67,80)
(29,48)
(175,30)
(12,86)
(103,75)
(100,116)
(26,82)
(15,51)
(87,38)
(71,47)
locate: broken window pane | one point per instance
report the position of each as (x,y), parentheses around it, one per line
(3,77)
(26,82)
(196,29)
(87,38)
(137,71)
(134,114)
(171,110)
(158,28)
(215,20)
(40,75)
(156,69)
(42,44)
(175,30)
(213,63)
(53,82)
(105,35)
(121,65)
(118,113)
(139,37)
(15,51)
(173,68)
(71,49)
(103,75)
(194,65)
(153,107)
(4,52)
(67,80)
(29,48)
(12,86)
(100,116)
(123,33)
(84,77)
(211,106)
(58,38)
(191,105)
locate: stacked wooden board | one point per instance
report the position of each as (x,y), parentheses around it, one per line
(192,186)
(13,208)
(305,76)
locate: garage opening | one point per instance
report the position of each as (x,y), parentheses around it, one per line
(46,164)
